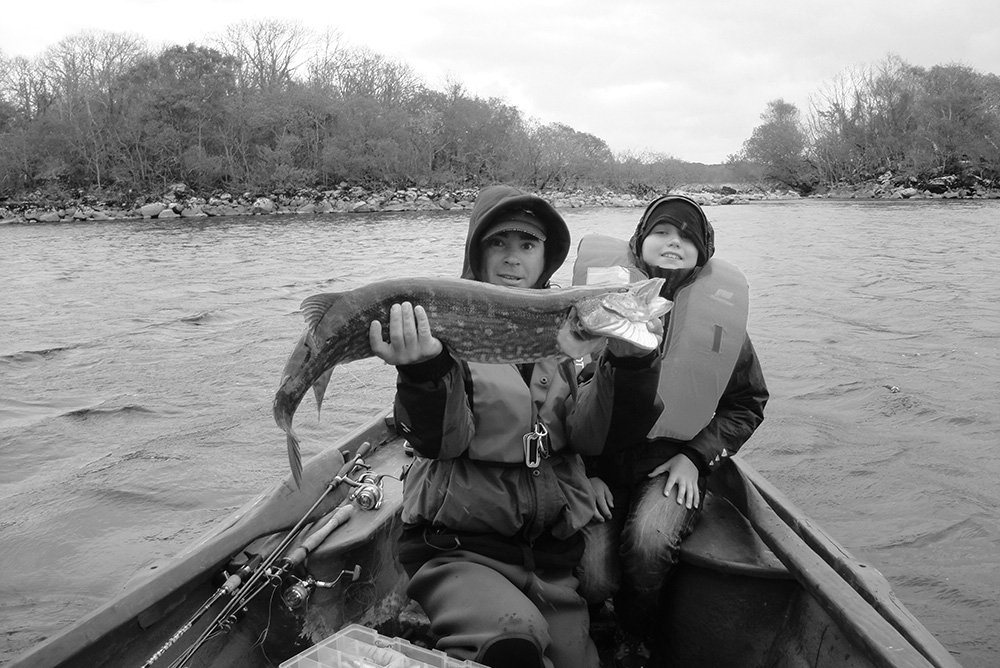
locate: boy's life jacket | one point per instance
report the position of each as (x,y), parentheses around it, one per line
(705,332)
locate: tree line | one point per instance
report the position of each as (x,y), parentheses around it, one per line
(918,124)
(270,107)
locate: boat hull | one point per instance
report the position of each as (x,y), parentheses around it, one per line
(758,584)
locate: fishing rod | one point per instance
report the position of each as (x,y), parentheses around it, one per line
(244,585)
(231,584)
(263,576)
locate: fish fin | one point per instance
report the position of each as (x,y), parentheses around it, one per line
(648,289)
(647,293)
(294,457)
(316,306)
(319,388)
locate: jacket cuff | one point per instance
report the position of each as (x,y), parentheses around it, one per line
(703,469)
(631,362)
(429,370)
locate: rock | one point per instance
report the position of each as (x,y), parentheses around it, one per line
(193,212)
(907,193)
(263,205)
(151,210)
(99,215)
(167,213)
(49,217)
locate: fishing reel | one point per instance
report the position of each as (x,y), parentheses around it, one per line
(297,594)
(369,489)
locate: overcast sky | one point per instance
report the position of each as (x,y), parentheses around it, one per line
(685,78)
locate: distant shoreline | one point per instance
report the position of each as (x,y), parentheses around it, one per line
(179,202)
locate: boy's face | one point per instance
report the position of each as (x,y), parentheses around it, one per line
(514,259)
(664,247)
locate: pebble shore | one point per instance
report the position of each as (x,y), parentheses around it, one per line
(180,202)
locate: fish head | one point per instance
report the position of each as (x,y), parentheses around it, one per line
(632,315)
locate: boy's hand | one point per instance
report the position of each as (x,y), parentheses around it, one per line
(605,499)
(684,474)
(410,338)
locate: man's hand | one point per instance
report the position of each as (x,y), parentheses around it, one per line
(410,338)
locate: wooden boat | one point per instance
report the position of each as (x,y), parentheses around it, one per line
(758,584)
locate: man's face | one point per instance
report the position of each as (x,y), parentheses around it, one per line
(514,259)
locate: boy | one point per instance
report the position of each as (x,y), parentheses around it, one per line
(710,400)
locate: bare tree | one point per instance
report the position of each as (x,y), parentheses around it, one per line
(269,52)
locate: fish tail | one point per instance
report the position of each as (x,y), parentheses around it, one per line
(283,417)
(294,457)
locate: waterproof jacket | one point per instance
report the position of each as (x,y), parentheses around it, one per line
(469,480)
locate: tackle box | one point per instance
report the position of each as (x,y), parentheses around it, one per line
(357,646)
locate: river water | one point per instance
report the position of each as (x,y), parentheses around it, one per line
(138,361)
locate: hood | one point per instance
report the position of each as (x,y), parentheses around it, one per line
(706,242)
(495,201)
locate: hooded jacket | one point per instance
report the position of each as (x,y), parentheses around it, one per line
(469,483)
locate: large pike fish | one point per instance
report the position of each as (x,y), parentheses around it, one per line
(477,322)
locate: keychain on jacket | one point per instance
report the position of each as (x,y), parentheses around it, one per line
(536,445)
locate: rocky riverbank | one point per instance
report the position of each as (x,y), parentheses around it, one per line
(178,201)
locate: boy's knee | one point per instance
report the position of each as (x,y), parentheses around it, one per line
(598,587)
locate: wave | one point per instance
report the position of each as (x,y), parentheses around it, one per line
(208,318)
(23,412)
(28,356)
(943,592)
(88,412)
(962,530)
